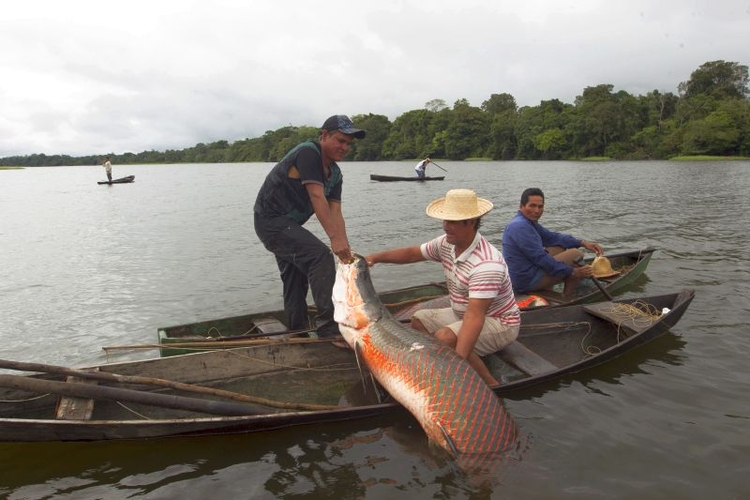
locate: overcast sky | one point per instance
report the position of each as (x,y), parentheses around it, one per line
(91,77)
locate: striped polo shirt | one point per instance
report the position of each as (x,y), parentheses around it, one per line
(480,272)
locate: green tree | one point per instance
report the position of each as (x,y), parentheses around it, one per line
(552,143)
(503,113)
(717,79)
(410,135)
(709,116)
(468,132)
(435,105)
(722,132)
(658,107)
(533,121)
(377,128)
(500,104)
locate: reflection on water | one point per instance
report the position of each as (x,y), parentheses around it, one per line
(354,460)
(84,266)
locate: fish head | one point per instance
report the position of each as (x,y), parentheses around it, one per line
(356,304)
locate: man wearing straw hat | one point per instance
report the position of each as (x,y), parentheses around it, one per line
(538,258)
(483,316)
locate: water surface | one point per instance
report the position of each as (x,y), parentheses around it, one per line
(85,266)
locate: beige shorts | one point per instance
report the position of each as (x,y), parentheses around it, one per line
(495,335)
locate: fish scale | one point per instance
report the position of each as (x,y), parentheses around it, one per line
(454,406)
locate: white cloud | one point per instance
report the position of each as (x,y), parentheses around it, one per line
(85,77)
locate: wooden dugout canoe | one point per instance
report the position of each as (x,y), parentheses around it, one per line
(396,178)
(316,381)
(401,303)
(121,180)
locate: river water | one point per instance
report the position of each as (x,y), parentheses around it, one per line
(84,266)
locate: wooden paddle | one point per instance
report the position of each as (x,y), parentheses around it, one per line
(579,263)
(438,166)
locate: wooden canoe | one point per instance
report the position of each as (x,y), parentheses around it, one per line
(401,303)
(207,392)
(631,265)
(121,180)
(396,178)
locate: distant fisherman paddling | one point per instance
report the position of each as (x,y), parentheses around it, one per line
(107,168)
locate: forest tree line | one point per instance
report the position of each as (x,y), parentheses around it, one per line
(710,115)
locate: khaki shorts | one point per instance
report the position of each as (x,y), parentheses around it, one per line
(495,335)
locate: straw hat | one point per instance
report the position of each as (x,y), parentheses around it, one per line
(459,204)
(603,268)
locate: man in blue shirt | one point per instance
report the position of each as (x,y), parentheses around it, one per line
(307,181)
(538,258)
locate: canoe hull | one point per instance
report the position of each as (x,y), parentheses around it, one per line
(402,303)
(122,180)
(632,265)
(396,178)
(313,371)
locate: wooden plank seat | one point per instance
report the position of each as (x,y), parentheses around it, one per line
(524,359)
(73,408)
(268,325)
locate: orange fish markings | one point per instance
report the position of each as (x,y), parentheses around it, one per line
(456,409)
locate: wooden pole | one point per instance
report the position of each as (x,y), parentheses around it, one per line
(438,166)
(89,391)
(181,386)
(598,283)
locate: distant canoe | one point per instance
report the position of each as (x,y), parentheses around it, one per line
(395,178)
(121,180)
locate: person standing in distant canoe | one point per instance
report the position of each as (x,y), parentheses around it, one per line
(421,168)
(307,182)
(108,167)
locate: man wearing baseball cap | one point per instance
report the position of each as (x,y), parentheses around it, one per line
(483,316)
(307,181)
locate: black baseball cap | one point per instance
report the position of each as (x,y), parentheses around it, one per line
(343,124)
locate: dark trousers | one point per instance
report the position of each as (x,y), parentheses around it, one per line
(305,263)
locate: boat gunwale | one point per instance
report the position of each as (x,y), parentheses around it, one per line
(641,258)
(281,419)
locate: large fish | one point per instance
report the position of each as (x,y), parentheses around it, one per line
(454,406)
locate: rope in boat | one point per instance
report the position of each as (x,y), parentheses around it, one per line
(26,399)
(251,331)
(640,313)
(329,368)
(127,408)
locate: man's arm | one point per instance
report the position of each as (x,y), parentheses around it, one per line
(531,244)
(593,246)
(330,217)
(404,255)
(471,326)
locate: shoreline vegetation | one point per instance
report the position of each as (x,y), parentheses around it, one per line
(706,119)
(591,159)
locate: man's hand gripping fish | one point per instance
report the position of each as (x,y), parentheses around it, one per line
(454,406)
